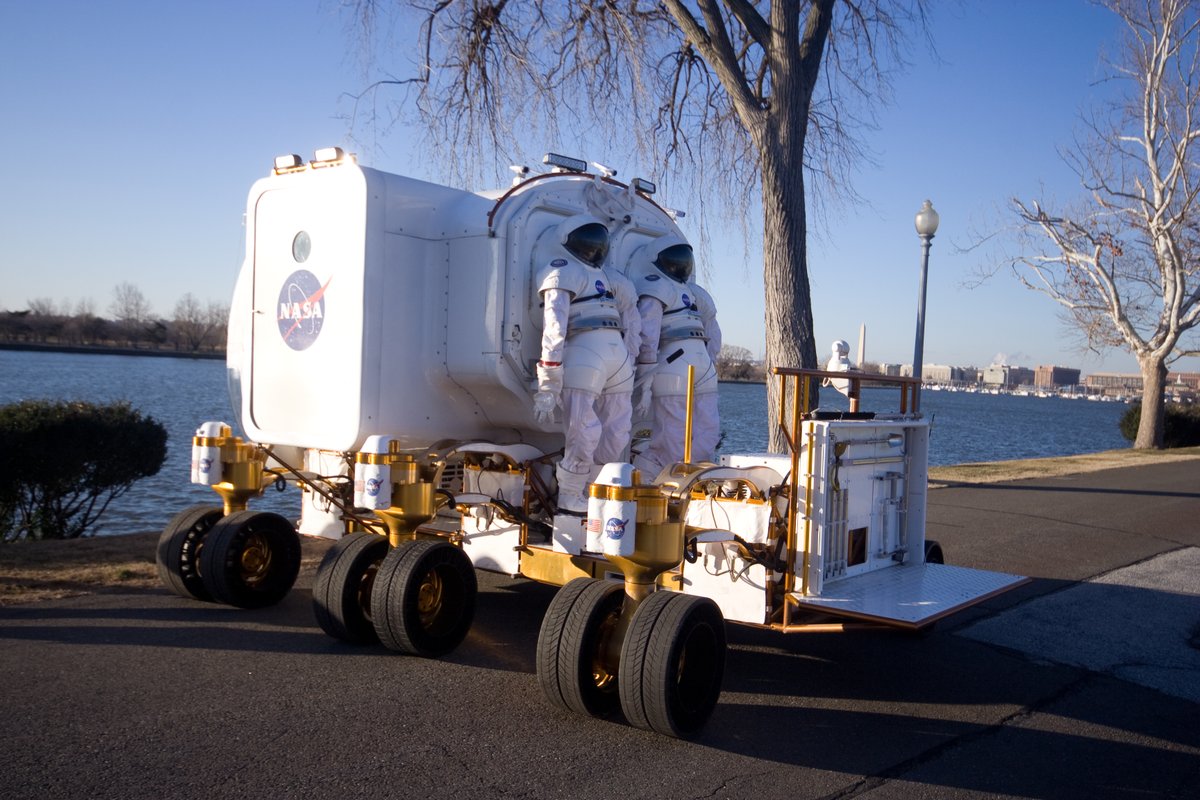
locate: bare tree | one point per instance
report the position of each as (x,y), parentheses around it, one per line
(736,363)
(43,307)
(1125,264)
(739,99)
(195,327)
(45,322)
(188,325)
(129,304)
(131,310)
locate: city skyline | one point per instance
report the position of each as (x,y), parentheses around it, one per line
(135,149)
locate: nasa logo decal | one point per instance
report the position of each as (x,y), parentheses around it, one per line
(651,277)
(558,262)
(301,309)
(373,486)
(687,301)
(615,528)
(599,287)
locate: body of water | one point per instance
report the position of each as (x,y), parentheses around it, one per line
(965,426)
(181,393)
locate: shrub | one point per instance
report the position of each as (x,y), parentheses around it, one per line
(62,463)
(1181,424)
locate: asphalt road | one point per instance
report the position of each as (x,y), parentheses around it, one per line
(147,695)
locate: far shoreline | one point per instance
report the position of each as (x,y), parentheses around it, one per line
(108,350)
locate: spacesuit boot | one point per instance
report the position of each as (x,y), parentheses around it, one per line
(572,490)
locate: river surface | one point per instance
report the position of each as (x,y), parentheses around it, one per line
(181,393)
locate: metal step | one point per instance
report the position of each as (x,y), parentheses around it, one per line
(909,596)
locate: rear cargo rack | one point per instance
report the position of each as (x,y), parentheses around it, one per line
(795,389)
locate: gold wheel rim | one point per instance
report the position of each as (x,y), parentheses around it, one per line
(365,585)
(256,559)
(603,677)
(429,597)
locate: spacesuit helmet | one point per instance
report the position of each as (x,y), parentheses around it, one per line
(676,262)
(588,243)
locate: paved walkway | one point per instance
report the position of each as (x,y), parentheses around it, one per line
(1042,692)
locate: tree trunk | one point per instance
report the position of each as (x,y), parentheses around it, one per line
(789,334)
(1152,426)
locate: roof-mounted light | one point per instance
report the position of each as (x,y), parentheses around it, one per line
(520,171)
(564,163)
(328,155)
(607,172)
(644,186)
(287,163)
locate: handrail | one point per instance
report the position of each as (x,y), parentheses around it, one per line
(908,385)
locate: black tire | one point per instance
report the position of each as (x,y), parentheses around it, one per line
(672,664)
(933,552)
(250,559)
(570,653)
(342,587)
(423,600)
(179,547)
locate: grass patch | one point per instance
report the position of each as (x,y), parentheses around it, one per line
(996,471)
(31,571)
(49,569)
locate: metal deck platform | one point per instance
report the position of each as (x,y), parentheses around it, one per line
(910,596)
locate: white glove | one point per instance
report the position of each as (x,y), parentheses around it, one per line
(543,407)
(641,401)
(549,391)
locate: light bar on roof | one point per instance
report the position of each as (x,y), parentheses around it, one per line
(325,155)
(290,161)
(565,162)
(644,186)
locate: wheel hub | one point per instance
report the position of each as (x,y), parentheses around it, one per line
(256,559)
(429,597)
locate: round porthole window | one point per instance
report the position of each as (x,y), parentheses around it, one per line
(301,247)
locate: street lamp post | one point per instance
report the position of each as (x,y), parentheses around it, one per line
(927,225)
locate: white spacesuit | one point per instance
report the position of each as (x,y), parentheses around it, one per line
(585,365)
(677,315)
(839,361)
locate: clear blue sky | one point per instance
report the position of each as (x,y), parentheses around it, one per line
(133,131)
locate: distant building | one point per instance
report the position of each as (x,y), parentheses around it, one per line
(937,373)
(1130,383)
(1005,375)
(891,370)
(1108,382)
(1048,376)
(1189,379)
(940,373)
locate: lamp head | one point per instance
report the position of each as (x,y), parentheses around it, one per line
(927,220)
